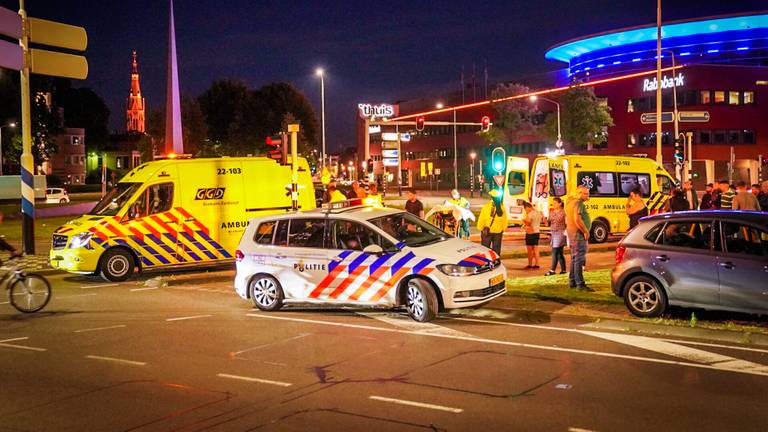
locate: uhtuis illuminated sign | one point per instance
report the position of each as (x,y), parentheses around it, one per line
(650,85)
(371,111)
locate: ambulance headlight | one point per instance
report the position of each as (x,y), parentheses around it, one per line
(456,270)
(80,240)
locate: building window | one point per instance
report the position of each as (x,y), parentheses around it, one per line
(748,97)
(75,140)
(631,140)
(705,97)
(705,137)
(630,106)
(719,96)
(733,136)
(748,136)
(733,98)
(718,137)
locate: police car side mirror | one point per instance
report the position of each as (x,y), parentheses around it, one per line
(373,249)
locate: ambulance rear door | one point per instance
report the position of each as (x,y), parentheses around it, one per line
(517,188)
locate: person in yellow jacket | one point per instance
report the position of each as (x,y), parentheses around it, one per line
(335,195)
(492,222)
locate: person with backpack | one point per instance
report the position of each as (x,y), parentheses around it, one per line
(492,222)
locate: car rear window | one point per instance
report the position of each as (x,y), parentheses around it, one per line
(653,234)
(264,233)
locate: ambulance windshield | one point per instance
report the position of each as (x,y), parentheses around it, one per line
(409,229)
(115,199)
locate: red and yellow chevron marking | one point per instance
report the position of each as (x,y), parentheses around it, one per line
(348,281)
(330,277)
(390,283)
(368,282)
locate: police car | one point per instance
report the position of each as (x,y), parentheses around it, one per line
(362,255)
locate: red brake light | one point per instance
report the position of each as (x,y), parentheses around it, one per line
(620,253)
(239,255)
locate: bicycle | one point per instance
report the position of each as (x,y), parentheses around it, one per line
(27,292)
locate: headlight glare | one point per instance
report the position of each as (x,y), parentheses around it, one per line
(456,270)
(80,240)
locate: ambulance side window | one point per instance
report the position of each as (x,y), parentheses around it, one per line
(155,199)
(281,233)
(664,184)
(308,233)
(629,181)
(264,233)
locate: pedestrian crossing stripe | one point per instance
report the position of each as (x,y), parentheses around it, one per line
(171,237)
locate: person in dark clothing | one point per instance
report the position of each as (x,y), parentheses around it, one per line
(413,205)
(678,201)
(762,197)
(706,199)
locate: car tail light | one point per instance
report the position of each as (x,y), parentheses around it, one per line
(239,255)
(620,253)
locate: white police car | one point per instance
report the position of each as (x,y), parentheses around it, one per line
(363,256)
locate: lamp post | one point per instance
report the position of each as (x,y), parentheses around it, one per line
(559,142)
(681,172)
(472,157)
(9,125)
(321,73)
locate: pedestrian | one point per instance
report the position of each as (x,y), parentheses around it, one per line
(636,207)
(356,191)
(460,201)
(577,225)
(557,236)
(373,197)
(492,222)
(677,201)
(532,226)
(690,195)
(744,200)
(335,195)
(707,199)
(726,195)
(413,205)
(762,197)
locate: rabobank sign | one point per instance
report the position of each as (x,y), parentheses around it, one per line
(666,82)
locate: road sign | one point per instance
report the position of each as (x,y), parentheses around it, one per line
(389,153)
(388,136)
(650,118)
(325,177)
(389,145)
(10,53)
(693,116)
(389,162)
(10,23)
(58,64)
(499,180)
(57,34)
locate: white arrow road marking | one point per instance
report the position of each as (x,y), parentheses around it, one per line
(717,361)
(417,404)
(99,328)
(187,317)
(117,360)
(256,380)
(405,322)
(23,347)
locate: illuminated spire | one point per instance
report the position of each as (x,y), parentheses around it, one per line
(173,137)
(134,112)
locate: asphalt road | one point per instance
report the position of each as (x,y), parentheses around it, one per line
(193,356)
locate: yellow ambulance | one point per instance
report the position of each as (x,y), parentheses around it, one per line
(609,179)
(177,212)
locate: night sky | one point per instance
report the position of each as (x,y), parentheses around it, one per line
(371,51)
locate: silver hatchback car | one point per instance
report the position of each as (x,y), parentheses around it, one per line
(703,259)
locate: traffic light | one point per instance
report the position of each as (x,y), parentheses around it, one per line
(679,149)
(485,123)
(369,166)
(499,159)
(279,148)
(420,123)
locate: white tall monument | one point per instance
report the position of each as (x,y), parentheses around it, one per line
(174,141)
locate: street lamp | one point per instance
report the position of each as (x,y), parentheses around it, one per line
(321,73)
(559,142)
(439,105)
(472,157)
(9,125)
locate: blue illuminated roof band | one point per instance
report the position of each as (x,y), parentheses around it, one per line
(568,50)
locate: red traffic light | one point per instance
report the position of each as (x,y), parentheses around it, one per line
(485,123)
(273,141)
(420,123)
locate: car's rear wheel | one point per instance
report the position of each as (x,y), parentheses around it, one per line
(644,297)
(266,293)
(116,265)
(420,300)
(599,232)
(62,201)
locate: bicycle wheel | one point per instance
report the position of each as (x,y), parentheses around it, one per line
(30,293)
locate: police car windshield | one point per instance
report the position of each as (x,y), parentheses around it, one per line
(409,229)
(114,200)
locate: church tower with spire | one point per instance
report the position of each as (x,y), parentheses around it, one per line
(134,112)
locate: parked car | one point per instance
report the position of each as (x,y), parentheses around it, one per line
(703,259)
(56,196)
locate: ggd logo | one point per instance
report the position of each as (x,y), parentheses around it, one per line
(209,194)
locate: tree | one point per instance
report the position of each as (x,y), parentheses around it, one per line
(583,119)
(279,99)
(222,107)
(512,116)
(83,108)
(46,123)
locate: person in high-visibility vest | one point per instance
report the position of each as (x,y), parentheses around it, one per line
(492,222)
(462,202)
(335,195)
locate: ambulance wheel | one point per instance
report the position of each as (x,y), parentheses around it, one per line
(266,293)
(599,232)
(116,265)
(420,300)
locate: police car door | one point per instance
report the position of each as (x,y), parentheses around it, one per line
(302,259)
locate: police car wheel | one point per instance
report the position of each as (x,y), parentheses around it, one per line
(116,265)
(420,300)
(266,293)
(599,232)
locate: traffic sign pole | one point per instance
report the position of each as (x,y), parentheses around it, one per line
(293,129)
(27,161)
